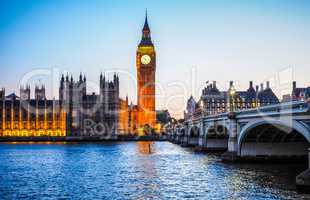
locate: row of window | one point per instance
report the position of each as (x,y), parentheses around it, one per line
(30,133)
(24,125)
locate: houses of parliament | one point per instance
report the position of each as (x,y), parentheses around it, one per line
(77,113)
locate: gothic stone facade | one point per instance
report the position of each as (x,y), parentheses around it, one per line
(90,114)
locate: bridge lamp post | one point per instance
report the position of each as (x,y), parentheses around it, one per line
(232,93)
(201,106)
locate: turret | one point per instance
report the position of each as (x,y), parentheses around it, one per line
(24,92)
(116,80)
(231,84)
(61,87)
(62,81)
(214,84)
(2,94)
(251,84)
(294,85)
(267,85)
(80,78)
(101,79)
(39,92)
(257,88)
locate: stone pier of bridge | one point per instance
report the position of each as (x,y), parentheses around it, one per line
(303,179)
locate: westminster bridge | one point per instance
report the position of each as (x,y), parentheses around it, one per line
(272,132)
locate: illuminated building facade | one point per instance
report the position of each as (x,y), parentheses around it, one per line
(140,118)
(213,101)
(124,117)
(128,118)
(146,68)
(23,116)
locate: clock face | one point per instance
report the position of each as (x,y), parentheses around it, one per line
(145,59)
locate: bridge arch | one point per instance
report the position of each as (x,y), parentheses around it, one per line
(193,136)
(181,132)
(273,137)
(218,130)
(194,131)
(216,137)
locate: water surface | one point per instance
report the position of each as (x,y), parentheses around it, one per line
(133,171)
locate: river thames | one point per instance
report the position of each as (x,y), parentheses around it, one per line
(131,170)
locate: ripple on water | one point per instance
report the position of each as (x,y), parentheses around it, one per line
(131,171)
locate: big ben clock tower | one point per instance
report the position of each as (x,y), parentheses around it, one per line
(146,68)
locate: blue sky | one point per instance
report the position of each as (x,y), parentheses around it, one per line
(221,40)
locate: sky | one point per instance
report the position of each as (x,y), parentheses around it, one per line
(195,40)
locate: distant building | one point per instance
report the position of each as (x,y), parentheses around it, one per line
(213,101)
(302,94)
(286,98)
(298,94)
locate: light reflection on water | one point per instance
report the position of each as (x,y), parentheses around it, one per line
(132,170)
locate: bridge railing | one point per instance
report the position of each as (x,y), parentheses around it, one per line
(282,108)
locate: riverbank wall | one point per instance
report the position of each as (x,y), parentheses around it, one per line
(82,139)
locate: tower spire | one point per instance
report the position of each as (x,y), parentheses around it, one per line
(146,24)
(146,32)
